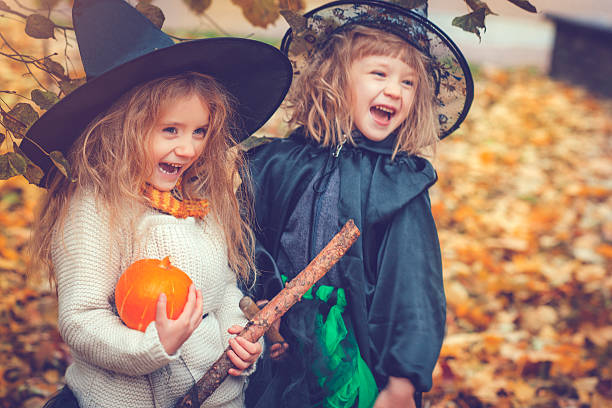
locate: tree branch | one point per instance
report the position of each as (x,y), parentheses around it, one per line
(23,61)
(17,13)
(277,307)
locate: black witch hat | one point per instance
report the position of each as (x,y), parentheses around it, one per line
(120,48)
(447,67)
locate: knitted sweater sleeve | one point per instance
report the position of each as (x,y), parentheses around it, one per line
(88,264)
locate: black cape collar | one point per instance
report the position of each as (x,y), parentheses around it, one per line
(384,147)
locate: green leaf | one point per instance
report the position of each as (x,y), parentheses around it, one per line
(477,4)
(11,164)
(525,5)
(20,118)
(55,68)
(410,4)
(70,85)
(198,6)
(153,13)
(61,163)
(33,173)
(44,99)
(471,22)
(38,26)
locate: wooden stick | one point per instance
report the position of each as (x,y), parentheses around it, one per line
(277,307)
(250,310)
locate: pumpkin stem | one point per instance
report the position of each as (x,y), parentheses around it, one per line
(165,263)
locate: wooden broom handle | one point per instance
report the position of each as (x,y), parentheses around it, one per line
(250,310)
(277,307)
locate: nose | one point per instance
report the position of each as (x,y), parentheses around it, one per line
(185,148)
(392,89)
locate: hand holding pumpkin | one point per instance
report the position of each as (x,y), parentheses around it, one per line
(155,290)
(173,333)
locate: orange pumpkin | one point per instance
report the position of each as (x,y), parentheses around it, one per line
(139,287)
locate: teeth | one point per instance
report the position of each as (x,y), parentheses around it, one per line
(170,168)
(385,109)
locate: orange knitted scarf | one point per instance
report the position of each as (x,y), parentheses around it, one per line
(169,202)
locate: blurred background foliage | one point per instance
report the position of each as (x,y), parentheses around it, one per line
(522,205)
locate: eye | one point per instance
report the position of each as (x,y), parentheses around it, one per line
(170,129)
(378,74)
(200,132)
(408,82)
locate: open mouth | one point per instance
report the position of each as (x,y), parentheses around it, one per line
(170,168)
(382,114)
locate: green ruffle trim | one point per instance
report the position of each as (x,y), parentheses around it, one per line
(346,376)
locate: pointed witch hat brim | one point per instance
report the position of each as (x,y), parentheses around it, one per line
(120,49)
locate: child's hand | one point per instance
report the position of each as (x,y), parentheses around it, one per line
(173,333)
(399,392)
(277,350)
(243,353)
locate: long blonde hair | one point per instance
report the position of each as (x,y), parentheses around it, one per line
(320,95)
(110,159)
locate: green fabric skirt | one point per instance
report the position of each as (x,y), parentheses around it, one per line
(342,373)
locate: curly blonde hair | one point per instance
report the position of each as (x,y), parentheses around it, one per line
(320,94)
(110,159)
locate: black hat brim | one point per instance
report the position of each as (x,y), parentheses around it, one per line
(256,74)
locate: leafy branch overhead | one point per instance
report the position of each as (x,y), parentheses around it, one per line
(52,80)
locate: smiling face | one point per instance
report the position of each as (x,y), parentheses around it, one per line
(177,140)
(382,89)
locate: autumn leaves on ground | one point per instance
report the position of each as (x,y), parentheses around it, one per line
(524,213)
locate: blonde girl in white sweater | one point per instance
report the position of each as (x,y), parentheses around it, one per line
(152,175)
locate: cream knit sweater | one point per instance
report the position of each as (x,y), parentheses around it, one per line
(114,366)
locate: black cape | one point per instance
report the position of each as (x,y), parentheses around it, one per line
(393,273)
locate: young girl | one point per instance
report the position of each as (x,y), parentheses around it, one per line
(154,176)
(376,86)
